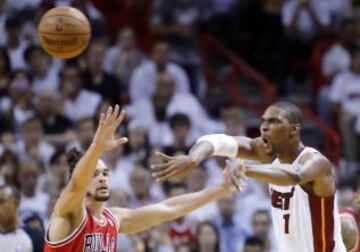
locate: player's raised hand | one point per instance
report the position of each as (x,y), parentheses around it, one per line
(108,124)
(234,181)
(173,167)
(235,172)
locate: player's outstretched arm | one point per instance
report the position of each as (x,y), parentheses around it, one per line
(72,197)
(349,231)
(311,167)
(136,220)
(205,147)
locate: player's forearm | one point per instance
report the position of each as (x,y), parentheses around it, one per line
(86,166)
(201,151)
(184,204)
(273,174)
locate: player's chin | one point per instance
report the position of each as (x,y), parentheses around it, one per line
(102,198)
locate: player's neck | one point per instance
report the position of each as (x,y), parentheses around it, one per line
(291,152)
(96,208)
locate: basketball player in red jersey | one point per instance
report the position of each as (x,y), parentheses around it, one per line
(301,180)
(80,222)
(350,223)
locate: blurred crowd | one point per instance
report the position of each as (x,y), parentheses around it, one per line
(145,56)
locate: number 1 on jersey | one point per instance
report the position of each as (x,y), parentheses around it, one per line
(286,223)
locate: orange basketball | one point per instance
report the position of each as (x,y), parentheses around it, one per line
(64,32)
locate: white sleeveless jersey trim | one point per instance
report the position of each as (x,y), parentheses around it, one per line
(304,222)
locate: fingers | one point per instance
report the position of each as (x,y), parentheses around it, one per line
(121,141)
(164,156)
(164,172)
(115,113)
(108,114)
(102,118)
(159,167)
(120,118)
(166,177)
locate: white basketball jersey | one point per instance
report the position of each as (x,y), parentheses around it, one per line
(304,222)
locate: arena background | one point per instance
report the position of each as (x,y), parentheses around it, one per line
(181,69)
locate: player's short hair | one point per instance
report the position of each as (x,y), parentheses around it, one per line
(72,157)
(293,112)
(13,190)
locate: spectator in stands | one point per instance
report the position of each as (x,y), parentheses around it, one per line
(57,127)
(234,120)
(303,21)
(228,225)
(182,230)
(13,235)
(95,78)
(85,130)
(207,237)
(18,107)
(137,149)
(78,103)
(254,244)
(15,45)
(141,183)
(124,57)
(154,239)
(164,103)
(215,100)
(4,72)
(181,128)
(144,78)
(32,145)
(32,200)
(56,177)
(261,224)
(9,168)
(336,59)
(306,19)
(176,22)
(43,69)
(344,95)
(195,182)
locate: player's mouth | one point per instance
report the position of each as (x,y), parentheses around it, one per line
(103,188)
(267,143)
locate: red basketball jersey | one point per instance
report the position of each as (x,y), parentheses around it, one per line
(92,235)
(350,212)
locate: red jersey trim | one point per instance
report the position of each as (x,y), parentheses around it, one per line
(111,215)
(69,238)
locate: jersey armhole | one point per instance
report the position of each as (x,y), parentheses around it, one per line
(117,221)
(68,238)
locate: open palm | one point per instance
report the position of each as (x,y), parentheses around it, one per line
(108,124)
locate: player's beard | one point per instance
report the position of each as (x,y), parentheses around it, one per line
(98,197)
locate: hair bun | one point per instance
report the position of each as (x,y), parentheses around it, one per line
(73,156)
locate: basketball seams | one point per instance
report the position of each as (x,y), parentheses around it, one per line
(64,34)
(86,25)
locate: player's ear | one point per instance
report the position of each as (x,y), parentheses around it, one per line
(295,129)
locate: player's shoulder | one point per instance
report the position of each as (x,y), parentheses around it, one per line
(312,154)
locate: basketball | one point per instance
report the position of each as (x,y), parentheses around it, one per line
(64,32)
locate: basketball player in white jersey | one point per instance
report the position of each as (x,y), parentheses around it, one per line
(301,180)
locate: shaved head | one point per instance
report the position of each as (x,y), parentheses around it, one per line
(293,112)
